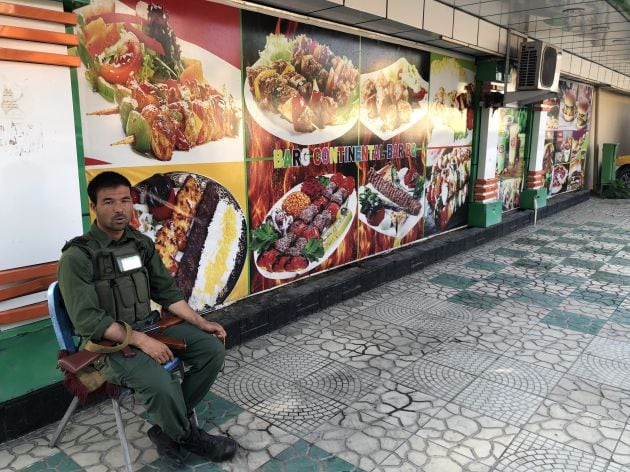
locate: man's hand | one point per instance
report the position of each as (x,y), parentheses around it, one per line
(186,313)
(160,352)
(214,328)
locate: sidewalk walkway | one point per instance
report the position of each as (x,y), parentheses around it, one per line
(511,357)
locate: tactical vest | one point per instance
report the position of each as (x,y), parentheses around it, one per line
(120,277)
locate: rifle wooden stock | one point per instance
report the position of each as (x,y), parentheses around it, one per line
(77,361)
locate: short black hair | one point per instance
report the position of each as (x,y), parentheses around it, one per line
(106,180)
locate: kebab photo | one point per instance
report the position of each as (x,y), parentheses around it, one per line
(305,226)
(391,201)
(303,82)
(164,101)
(392,98)
(447,189)
(199,232)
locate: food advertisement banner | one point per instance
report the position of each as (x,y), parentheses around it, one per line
(567,137)
(302,220)
(511,155)
(393,118)
(301,89)
(450,130)
(196,216)
(160,83)
(262,150)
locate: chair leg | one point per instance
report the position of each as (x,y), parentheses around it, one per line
(62,424)
(194,420)
(121,434)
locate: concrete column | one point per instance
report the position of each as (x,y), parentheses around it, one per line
(535,195)
(485,210)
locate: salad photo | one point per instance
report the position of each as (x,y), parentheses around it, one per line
(300,90)
(147,91)
(305,226)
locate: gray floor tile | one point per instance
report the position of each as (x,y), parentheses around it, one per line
(593,397)
(358,438)
(522,376)
(368,356)
(606,371)
(575,428)
(469,433)
(498,401)
(550,347)
(399,338)
(418,454)
(434,379)
(462,356)
(399,405)
(532,452)
(259,441)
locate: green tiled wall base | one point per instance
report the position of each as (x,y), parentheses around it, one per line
(482,215)
(529,196)
(29,358)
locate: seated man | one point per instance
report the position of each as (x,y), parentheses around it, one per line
(108,276)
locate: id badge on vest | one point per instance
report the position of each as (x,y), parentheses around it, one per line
(127,263)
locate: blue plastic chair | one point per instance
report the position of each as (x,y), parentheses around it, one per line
(64,331)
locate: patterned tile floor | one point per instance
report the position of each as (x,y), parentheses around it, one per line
(512,357)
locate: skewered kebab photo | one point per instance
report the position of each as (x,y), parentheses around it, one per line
(301,82)
(165,103)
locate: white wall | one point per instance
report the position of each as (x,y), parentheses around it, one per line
(613,120)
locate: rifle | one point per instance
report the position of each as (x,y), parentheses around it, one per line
(77,361)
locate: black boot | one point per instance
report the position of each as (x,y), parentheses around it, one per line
(168,449)
(213,448)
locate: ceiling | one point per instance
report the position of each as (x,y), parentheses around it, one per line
(594,30)
(598,31)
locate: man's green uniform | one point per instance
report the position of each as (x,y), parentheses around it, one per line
(103,281)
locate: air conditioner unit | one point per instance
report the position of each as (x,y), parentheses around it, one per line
(538,66)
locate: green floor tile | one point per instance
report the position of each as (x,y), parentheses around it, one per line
(57,463)
(621,316)
(550,232)
(529,264)
(214,411)
(454,281)
(563,279)
(587,231)
(598,297)
(573,321)
(570,240)
(193,463)
(547,300)
(508,279)
(600,251)
(304,457)
(485,265)
(620,261)
(610,278)
(476,300)
(562,224)
(504,251)
(582,264)
(608,239)
(597,224)
(531,241)
(554,251)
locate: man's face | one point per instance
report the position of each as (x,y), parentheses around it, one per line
(113,209)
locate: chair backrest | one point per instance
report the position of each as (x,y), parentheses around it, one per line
(62,325)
